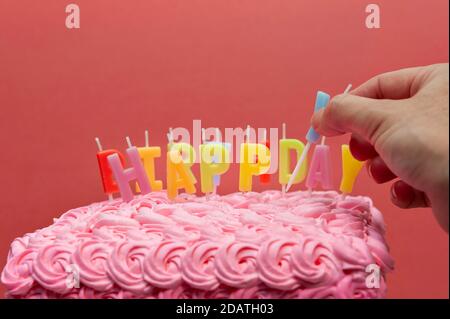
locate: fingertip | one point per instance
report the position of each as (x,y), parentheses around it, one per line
(361,150)
(379,171)
(405,196)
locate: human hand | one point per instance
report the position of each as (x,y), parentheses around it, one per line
(399,123)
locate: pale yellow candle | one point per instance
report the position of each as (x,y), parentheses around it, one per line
(284,170)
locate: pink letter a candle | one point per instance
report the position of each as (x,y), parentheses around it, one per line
(320,169)
(125,176)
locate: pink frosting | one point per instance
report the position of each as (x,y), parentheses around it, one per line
(242,245)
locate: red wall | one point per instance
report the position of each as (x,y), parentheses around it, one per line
(153,64)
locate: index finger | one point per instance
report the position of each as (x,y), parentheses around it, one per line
(395,85)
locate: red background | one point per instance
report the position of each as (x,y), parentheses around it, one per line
(158,63)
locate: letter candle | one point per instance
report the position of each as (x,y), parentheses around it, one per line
(312,136)
(221,159)
(148,155)
(109,185)
(265,178)
(180,158)
(125,176)
(254,160)
(213,162)
(320,169)
(350,170)
(286,146)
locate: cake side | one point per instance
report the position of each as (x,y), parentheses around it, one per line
(241,245)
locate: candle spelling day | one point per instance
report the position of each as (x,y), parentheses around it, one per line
(214,157)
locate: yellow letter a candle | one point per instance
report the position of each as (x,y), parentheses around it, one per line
(180,158)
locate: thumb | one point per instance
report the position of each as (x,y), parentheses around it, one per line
(349,113)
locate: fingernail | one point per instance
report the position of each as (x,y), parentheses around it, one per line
(369,169)
(394,192)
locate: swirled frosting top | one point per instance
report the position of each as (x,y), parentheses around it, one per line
(242,245)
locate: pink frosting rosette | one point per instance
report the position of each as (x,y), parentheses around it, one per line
(49,268)
(379,250)
(222,292)
(198,266)
(360,289)
(114,293)
(17,246)
(40,293)
(255,234)
(314,263)
(17,274)
(321,292)
(91,258)
(353,252)
(274,259)
(162,265)
(125,266)
(261,291)
(180,292)
(187,233)
(236,264)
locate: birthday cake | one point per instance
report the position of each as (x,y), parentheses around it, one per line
(241,245)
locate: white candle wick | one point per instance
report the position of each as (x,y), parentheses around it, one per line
(99,145)
(147,143)
(129,141)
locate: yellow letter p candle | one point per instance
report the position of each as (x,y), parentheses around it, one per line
(249,166)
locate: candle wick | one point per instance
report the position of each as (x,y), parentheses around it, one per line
(218,135)
(129,141)
(349,87)
(99,145)
(323,140)
(146,139)
(203,135)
